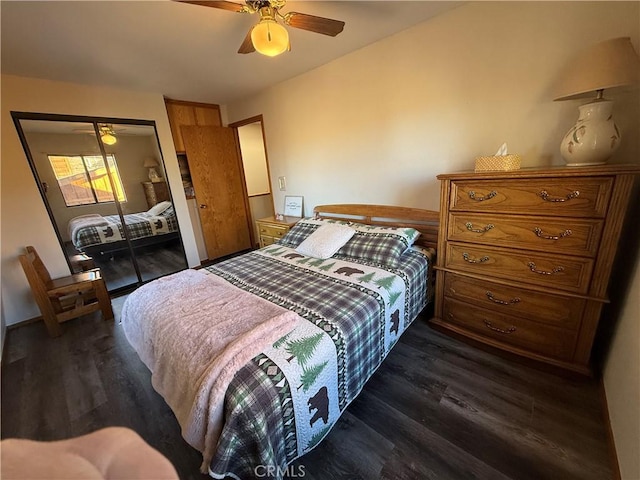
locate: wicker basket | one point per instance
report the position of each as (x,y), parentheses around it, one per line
(497,163)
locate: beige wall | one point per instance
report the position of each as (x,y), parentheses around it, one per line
(622,383)
(378,125)
(24,218)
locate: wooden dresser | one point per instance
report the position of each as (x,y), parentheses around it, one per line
(155,192)
(524,258)
(271,230)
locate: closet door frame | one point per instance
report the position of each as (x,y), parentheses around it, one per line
(94,121)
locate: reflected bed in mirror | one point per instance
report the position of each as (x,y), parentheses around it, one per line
(94,176)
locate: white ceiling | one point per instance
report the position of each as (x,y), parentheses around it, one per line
(183,51)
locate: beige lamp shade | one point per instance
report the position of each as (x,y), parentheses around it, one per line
(151,163)
(595,137)
(609,64)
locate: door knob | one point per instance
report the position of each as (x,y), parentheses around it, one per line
(202,205)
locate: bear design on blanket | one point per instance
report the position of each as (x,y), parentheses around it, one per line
(348,271)
(293,255)
(395,321)
(320,403)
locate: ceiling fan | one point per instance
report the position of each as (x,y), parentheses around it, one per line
(268,36)
(106,130)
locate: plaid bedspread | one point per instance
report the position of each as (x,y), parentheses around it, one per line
(285,401)
(139,225)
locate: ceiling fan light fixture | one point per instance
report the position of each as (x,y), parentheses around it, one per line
(269,37)
(107,135)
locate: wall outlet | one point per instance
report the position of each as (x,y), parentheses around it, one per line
(282,183)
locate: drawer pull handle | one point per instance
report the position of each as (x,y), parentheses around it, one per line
(491,194)
(532,267)
(508,331)
(545,196)
(487,227)
(502,302)
(538,232)
(467,258)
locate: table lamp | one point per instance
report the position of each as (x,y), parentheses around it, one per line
(151,164)
(609,64)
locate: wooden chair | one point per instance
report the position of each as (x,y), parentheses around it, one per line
(64,298)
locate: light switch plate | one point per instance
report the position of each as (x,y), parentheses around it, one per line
(282,183)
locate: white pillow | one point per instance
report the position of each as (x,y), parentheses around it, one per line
(326,241)
(158,208)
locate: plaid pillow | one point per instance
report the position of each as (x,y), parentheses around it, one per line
(376,244)
(299,232)
(168,212)
(383,245)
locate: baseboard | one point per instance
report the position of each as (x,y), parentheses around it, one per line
(615,466)
(25,322)
(7,328)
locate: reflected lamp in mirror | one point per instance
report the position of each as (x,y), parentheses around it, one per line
(151,164)
(107,134)
(609,64)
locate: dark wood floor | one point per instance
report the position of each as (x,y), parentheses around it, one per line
(153,261)
(436,409)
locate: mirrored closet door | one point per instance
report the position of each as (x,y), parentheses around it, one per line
(104,185)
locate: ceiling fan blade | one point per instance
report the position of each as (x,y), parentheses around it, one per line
(231,6)
(247,44)
(326,26)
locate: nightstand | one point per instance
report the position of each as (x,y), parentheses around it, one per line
(155,192)
(271,230)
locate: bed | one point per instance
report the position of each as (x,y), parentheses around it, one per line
(344,314)
(98,235)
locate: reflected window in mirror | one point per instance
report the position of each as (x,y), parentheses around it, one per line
(84,179)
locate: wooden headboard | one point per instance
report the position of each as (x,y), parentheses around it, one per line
(425,221)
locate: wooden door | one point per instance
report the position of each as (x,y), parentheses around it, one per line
(218,181)
(189,113)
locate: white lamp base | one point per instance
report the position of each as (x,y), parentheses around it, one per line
(153,175)
(584,164)
(594,137)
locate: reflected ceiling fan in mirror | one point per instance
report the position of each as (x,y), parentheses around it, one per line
(106,130)
(268,36)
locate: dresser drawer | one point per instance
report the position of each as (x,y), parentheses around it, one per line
(567,273)
(276,231)
(554,310)
(581,197)
(510,330)
(548,234)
